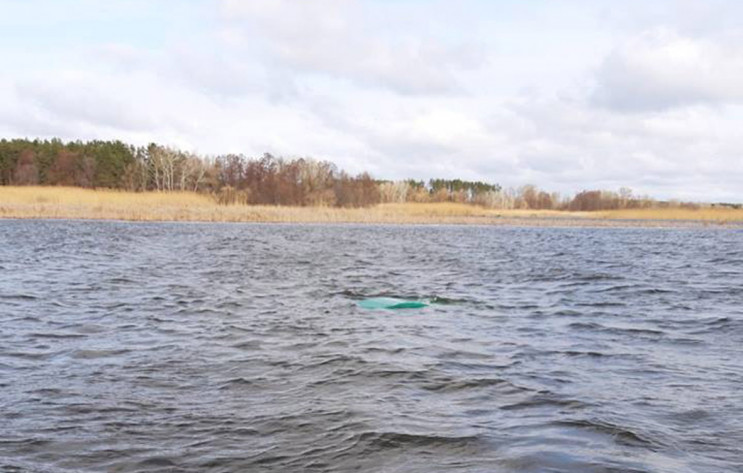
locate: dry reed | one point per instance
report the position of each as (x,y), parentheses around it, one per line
(704,214)
(78,203)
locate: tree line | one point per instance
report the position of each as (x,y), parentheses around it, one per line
(265,180)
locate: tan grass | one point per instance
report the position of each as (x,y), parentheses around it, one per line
(77,203)
(705,214)
(29,195)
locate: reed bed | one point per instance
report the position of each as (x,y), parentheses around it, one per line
(704,214)
(78,203)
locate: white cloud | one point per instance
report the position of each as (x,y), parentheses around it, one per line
(686,153)
(84,100)
(660,69)
(340,38)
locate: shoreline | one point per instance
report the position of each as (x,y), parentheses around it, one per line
(64,203)
(500,221)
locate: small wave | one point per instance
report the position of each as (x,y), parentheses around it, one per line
(656,290)
(236,383)
(598,277)
(22,467)
(337,360)
(449,386)
(121,280)
(440,300)
(691,417)
(541,400)
(621,435)
(568,313)
(31,355)
(403,440)
(92,354)
(586,326)
(89,328)
(18,297)
(602,304)
(249,345)
(636,331)
(594,326)
(61,336)
(617,288)
(158,461)
(590,354)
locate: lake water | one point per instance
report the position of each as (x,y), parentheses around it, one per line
(240,348)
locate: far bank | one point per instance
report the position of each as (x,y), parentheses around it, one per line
(41,202)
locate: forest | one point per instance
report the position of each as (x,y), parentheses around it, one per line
(266,180)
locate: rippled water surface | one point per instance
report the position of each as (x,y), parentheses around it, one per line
(240,348)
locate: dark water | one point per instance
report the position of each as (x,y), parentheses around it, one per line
(239,348)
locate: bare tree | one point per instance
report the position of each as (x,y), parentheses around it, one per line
(166,167)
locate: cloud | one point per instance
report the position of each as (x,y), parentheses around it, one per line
(84,100)
(343,39)
(661,69)
(690,152)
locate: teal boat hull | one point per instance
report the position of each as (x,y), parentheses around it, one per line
(390,303)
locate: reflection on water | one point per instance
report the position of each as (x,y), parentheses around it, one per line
(223,348)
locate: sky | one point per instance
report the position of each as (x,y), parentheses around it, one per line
(568,95)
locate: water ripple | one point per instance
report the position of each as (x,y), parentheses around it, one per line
(148,348)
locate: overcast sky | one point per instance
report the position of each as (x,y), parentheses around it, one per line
(567,95)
